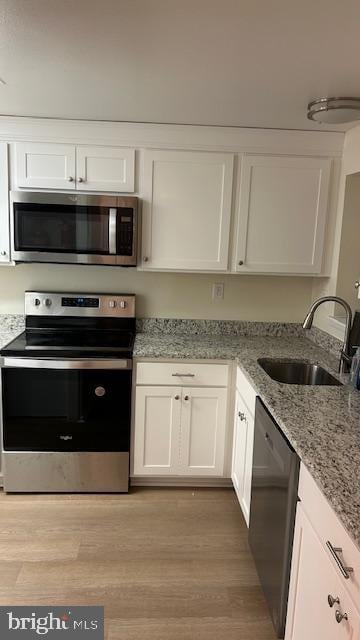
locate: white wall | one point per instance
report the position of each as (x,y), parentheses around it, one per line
(329,286)
(349,259)
(166,294)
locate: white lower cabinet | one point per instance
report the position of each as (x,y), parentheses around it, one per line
(324,589)
(203,428)
(314,583)
(157,430)
(179,430)
(242,455)
(243,442)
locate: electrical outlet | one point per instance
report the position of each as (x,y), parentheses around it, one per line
(218,291)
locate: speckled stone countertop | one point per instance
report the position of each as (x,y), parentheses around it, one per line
(321,423)
(10,326)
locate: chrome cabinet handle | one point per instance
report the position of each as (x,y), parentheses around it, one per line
(241,415)
(183,375)
(177,397)
(345,571)
(2,253)
(357,284)
(241,262)
(70,179)
(186,398)
(332,600)
(81,180)
(340,616)
(145,259)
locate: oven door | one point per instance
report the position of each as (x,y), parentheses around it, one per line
(66,405)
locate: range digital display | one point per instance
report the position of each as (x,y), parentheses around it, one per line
(80,302)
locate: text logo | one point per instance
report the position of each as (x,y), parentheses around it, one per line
(28,623)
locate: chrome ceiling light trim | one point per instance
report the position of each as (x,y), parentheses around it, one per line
(337,110)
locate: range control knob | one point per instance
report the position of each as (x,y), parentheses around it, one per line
(48,302)
(122,304)
(112,304)
(36,302)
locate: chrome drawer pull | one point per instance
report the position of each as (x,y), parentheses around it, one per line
(183,375)
(241,415)
(334,552)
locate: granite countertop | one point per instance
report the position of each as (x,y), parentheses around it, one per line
(321,423)
(10,327)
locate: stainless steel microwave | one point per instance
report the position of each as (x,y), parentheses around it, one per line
(74,228)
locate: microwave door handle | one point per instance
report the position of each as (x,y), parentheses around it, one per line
(112,230)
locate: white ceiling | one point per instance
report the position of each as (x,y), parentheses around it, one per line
(226,62)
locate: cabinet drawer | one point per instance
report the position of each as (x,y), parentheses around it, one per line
(246,390)
(329,528)
(182,374)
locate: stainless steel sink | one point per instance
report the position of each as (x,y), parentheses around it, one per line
(297,372)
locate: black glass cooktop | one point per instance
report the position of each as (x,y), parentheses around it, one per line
(71,344)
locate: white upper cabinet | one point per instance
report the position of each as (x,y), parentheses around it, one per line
(186,210)
(282,212)
(105,169)
(45,166)
(64,166)
(4,205)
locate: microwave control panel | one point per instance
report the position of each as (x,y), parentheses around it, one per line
(125,233)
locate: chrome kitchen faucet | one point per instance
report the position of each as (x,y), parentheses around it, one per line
(345,356)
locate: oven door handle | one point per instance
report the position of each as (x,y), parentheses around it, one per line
(46,363)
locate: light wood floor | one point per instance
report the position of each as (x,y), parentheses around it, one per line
(167,564)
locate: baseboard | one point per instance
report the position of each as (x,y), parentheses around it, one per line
(161,481)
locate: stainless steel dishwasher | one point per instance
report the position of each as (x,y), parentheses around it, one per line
(274,490)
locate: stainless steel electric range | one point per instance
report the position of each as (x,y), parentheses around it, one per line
(66,394)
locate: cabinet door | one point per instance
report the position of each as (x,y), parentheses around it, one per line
(242,456)
(246,493)
(186,210)
(203,430)
(4,205)
(313,579)
(157,430)
(282,214)
(45,166)
(105,169)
